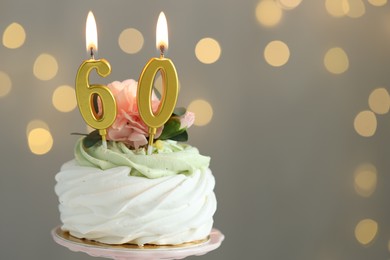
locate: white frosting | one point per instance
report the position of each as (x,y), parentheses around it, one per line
(112,207)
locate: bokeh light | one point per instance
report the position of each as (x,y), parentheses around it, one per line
(40,140)
(379,101)
(337,8)
(36,124)
(5,84)
(356,8)
(365,123)
(365,180)
(336,60)
(208,50)
(378,2)
(158,83)
(45,67)
(268,13)
(366,231)
(64,98)
(276,53)
(14,36)
(131,40)
(289,4)
(203,111)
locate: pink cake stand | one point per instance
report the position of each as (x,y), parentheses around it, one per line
(130,252)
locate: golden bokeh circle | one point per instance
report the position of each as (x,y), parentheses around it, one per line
(378,2)
(64,98)
(365,180)
(366,231)
(379,101)
(276,53)
(40,141)
(365,123)
(268,13)
(14,36)
(356,8)
(158,83)
(203,111)
(337,8)
(45,67)
(131,40)
(289,4)
(336,60)
(208,50)
(5,84)
(36,124)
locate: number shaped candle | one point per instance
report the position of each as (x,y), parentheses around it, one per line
(156,119)
(86,93)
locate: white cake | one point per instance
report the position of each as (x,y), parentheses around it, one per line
(119,195)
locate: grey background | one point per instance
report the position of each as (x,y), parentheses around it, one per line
(282,141)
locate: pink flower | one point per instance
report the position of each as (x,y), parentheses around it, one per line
(187,120)
(128,126)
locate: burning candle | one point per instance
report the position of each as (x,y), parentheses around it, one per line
(86,93)
(156,119)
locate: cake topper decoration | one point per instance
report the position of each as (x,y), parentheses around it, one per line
(156,119)
(101,117)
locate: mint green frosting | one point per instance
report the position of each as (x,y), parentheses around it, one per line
(168,158)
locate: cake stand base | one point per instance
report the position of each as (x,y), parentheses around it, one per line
(130,252)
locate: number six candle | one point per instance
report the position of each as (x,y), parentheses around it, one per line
(86,93)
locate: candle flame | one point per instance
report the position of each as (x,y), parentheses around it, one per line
(91,33)
(162,33)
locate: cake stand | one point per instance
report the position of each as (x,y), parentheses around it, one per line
(133,252)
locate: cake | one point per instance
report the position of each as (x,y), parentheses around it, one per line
(120,195)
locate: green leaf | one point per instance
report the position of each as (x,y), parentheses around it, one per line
(171,127)
(179,111)
(92,138)
(182,137)
(172,131)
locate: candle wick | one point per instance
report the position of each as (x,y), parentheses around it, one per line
(92,54)
(162,50)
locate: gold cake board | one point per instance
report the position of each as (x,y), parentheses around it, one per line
(130,251)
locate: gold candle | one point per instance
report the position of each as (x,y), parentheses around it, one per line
(85,92)
(170,89)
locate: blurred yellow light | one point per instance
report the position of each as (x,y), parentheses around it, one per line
(14,36)
(337,8)
(268,13)
(203,111)
(276,53)
(289,4)
(208,50)
(40,141)
(379,101)
(356,8)
(336,60)
(365,123)
(45,67)
(131,40)
(36,124)
(378,2)
(366,231)
(365,180)
(5,84)
(158,83)
(64,98)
